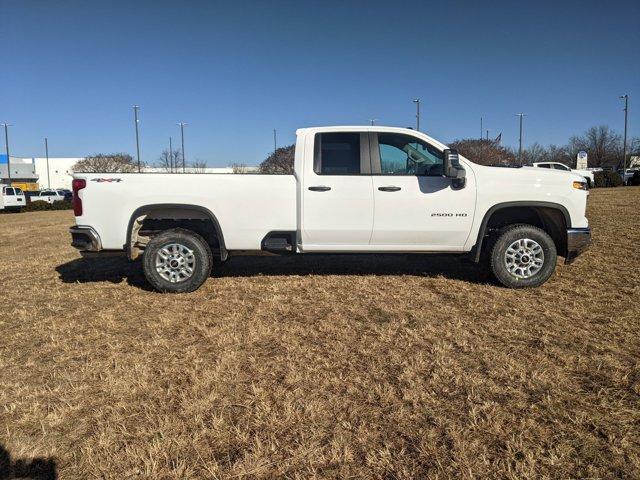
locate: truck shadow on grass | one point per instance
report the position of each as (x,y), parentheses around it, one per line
(119,269)
(34,469)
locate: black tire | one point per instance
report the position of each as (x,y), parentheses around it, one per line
(512,276)
(189,252)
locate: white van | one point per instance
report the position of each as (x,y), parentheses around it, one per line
(11,198)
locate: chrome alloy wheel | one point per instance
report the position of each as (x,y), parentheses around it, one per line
(524,258)
(175,262)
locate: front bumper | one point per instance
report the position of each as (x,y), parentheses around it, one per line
(578,240)
(85,239)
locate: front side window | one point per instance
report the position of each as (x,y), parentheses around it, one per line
(544,165)
(559,166)
(406,155)
(337,153)
(18,191)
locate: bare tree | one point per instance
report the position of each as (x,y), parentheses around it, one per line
(552,153)
(240,168)
(603,146)
(106,163)
(168,161)
(279,162)
(484,152)
(198,166)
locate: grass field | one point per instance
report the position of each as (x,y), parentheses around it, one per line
(329,366)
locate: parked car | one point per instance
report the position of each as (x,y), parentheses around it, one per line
(49,196)
(587,174)
(11,198)
(68,194)
(628,174)
(635,179)
(355,189)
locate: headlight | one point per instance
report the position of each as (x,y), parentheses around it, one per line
(580,185)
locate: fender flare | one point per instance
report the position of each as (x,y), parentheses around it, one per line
(500,206)
(138,212)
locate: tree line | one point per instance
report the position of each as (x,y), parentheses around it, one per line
(604,148)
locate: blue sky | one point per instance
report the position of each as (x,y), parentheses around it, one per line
(235,70)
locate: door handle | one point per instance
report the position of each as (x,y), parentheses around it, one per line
(389,189)
(320,188)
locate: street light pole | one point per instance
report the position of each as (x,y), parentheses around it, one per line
(373,121)
(481,128)
(417,102)
(170,155)
(520,143)
(135,116)
(46,152)
(184,163)
(6,145)
(487,134)
(624,148)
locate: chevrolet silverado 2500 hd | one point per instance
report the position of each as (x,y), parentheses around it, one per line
(354,189)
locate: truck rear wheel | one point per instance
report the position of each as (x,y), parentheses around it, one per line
(522,256)
(177,261)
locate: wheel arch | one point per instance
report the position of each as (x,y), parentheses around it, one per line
(548,221)
(173,211)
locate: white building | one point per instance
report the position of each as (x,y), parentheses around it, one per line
(57,174)
(59,170)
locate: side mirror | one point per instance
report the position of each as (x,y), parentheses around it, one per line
(452,168)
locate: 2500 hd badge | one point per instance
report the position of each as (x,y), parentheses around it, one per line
(437,214)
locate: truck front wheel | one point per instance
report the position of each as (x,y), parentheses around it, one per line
(522,256)
(177,261)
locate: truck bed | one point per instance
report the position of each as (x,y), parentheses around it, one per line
(247,206)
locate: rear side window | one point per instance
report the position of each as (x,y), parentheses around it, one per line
(544,165)
(337,153)
(9,191)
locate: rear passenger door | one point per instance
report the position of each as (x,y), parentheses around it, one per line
(337,195)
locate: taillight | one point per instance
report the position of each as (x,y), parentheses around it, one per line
(76,185)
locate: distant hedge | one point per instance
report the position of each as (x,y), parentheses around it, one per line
(607,179)
(40,205)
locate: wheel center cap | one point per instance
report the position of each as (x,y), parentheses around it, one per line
(525,259)
(174,263)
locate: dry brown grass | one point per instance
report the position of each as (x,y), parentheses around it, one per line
(330,366)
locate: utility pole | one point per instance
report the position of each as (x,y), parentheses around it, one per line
(481,130)
(417,102)
(184,163)
(135,116)
(625,97)
(6,145)
(487,134)
(170,155)
(520,143)
(46,152)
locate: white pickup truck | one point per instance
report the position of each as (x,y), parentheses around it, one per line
(354,189)
(587,174)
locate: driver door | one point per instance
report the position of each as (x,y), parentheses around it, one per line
(416,207)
